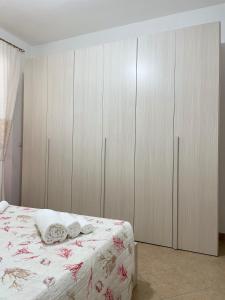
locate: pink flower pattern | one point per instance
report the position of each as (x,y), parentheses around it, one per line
(74,269)
(118,243)
(23,251)
(122,272)
(65,252)
(109,294)
(22,244)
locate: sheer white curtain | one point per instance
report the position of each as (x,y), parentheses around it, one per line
(10,73)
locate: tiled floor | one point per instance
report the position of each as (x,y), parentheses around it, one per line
(178,275)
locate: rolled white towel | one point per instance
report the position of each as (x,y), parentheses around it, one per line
(86,227)
(50,226)
(3,206)
(72,225)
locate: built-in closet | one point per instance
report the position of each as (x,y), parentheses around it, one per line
(154,138)
(129,130)
(34,133)
(196,132)
(59,131)
(87,132)
(119,99)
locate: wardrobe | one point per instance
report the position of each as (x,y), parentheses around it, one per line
(59,131)
(34,133)
(154,139)
(119,98)
(87,133)
(196,131)
(129,130)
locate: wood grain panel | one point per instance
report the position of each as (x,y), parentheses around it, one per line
(154,139)
(222,142)
(119,128)
(87,137)
(34,133)
(60,127)
(197,107)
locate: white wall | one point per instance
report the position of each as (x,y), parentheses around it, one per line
(14,40)
(176,21)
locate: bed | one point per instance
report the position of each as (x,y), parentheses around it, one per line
(100,265)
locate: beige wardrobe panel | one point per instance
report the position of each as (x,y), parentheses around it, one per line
(34,133)
(154,139)
(119,129)
(60,127)
(87,137)
(197,107)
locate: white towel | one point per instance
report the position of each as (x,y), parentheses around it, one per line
(72,225)
(3,206)
(50,226)
(86,227)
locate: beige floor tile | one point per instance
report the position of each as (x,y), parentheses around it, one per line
(201,295)
(172,287)
(144,291)
(165,273)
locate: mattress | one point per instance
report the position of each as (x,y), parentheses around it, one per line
(99,265)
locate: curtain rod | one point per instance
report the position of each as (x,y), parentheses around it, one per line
(14,46)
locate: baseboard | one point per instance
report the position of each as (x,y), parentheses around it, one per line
(222,236)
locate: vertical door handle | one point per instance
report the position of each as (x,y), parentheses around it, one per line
(47,173)
(175,191)
(104,177)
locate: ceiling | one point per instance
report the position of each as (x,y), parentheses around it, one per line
(41,21)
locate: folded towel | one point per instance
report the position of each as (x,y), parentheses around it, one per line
(3,206)
(86,227)
(72,225)
(50,225)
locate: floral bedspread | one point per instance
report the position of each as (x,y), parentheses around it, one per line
(99,265)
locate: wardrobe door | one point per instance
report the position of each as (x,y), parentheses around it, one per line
(197,106)
(34,133)
(87,136)
(119,129)
(60,127)
(154,139)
